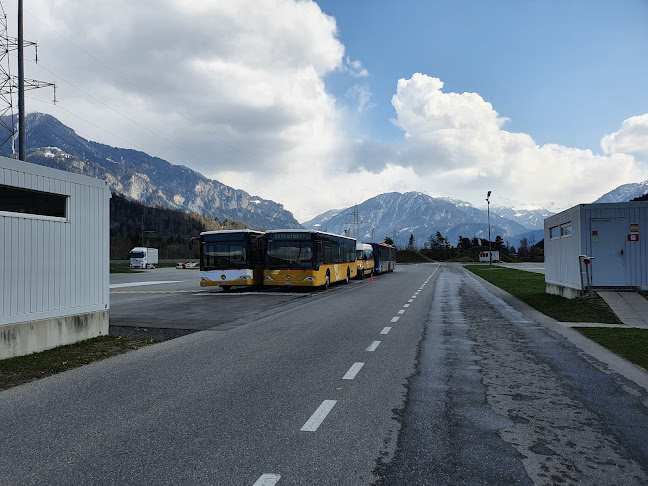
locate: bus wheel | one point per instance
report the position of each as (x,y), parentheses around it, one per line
(327,280)
(348,277)
(226,288)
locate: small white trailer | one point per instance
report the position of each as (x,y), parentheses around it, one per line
(485,256)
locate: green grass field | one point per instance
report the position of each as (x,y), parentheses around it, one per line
(630,344)
(530,288)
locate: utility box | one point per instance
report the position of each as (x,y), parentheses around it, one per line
(54,257)
(611,236)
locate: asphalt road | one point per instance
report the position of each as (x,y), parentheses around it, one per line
(423,376)
(172,298)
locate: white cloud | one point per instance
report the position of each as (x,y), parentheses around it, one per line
(361,96)
(355,68)
(456,142)
(631,138)
(231,85)
(236,91)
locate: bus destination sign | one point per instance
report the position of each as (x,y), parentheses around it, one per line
(290,236)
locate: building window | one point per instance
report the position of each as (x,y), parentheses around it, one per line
(566,229)
(33,203)
(554,232)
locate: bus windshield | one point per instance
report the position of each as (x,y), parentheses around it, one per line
(289,254)
(223,255)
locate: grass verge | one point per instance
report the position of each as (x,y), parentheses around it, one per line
(530,288)
(630,344)
(24,369)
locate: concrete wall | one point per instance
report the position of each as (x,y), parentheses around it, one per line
(33,336)
(53,269)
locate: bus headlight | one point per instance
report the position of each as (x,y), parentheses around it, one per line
(310,279)
(268,277)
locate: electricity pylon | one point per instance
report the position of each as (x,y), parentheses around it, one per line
(356,222)
(9,85)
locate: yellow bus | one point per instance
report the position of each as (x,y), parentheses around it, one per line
(231,258)
(306,258)
(364,260)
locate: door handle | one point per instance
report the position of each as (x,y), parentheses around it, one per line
(621,251)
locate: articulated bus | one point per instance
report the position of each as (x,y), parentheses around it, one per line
(308,258)
(231,258)
(384,257)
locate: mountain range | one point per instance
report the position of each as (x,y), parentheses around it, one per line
(144,178)
(624,193)
(151,180)
(399,216)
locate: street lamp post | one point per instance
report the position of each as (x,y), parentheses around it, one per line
(490,253)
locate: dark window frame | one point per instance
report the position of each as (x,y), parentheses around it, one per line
(31,203)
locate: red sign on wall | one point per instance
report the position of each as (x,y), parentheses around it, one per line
(633,237)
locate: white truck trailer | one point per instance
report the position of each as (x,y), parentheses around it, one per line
(142,257)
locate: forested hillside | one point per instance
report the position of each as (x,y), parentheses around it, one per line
(134,224)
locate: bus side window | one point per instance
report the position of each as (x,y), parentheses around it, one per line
(328,253)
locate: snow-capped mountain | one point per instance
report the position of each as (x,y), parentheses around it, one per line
(144,178)
(530,218)
(624,193)
(398,216)
(320,221)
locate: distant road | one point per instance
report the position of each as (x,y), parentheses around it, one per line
(536,267)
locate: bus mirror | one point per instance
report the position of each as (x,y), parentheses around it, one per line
(191,240)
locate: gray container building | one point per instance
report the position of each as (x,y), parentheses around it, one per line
(613,237)
(54,257)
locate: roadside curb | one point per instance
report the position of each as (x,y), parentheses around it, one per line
(615,363)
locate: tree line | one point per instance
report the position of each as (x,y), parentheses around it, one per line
(438,247)
(135,224)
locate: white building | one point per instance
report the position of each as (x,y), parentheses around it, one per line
(54,257)
(612,236)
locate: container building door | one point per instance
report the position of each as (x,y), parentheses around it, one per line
(608,249)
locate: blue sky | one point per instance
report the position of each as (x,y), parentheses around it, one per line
(322,105)
(565,72)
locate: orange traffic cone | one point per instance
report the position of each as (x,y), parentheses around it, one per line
(371,278)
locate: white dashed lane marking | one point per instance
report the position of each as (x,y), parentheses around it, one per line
(385,330)
(313,423)
(373,346)
(401,311)
(406,305)
(267,480)
(353,371)
(395,319)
